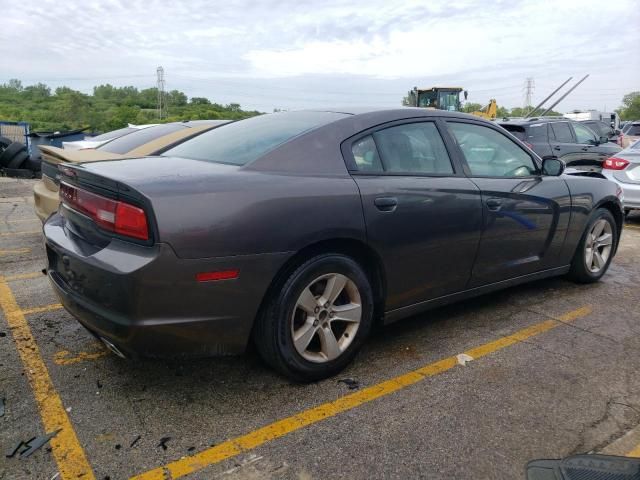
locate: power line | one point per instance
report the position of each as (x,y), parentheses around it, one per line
(161,98)
(529,86)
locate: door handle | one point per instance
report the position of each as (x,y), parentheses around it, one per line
(494,204)
(386,204)
(557,148)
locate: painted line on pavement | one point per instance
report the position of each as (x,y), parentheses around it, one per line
(236,446)
(23,276)
(64,357)
(15,251)
(46,308)
(28,232)
(67,451)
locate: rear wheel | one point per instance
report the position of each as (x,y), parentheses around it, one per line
(596,248)
(318,319)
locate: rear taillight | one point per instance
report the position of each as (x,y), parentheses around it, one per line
(111,215)
(614,163)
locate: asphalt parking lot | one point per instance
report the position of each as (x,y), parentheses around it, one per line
(553,371)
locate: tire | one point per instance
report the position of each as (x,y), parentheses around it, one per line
(580,270)
(18,159)
(283,317)
(10,152)
(4,143)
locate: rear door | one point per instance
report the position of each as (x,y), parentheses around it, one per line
(590,143)
(423,216)
(566,147)
(526,214)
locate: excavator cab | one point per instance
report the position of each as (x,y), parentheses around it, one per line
(439,98)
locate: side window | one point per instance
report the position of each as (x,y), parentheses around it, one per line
(366,155)
(413,148)
(562,132)
(584,135)
(490,153)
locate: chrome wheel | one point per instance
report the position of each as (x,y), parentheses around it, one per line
(598,245)
(326,318)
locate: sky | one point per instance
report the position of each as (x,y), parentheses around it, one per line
(292,54)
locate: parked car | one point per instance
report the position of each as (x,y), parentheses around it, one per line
(301,230)
(139,143)
(578,146)
(624,169)
(602,129)
(95,142)
(630,133)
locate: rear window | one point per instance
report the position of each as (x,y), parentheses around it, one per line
(633,130)
(133,140)
(113,134)
(242,142)
(515,130)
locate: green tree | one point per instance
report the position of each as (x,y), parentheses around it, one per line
(199,101)
(631,106)
(471,107)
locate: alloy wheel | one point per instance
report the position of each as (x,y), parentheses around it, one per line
(598,245)
(326,318)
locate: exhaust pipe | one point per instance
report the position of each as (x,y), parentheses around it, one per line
(113,348)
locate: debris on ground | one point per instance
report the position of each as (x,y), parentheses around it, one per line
(163,442)
(463,358)
(2,400)
(25,449)
(135,440)
(351,383)
(3,334)
(98,384)
(118,446)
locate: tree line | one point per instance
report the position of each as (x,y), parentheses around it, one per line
(107,108)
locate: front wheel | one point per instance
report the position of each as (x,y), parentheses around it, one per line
(318,320)
(596,248)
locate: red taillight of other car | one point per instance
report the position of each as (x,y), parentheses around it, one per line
(111,215)
(614,163)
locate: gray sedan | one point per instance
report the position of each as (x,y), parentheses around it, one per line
(624,169)
(302,231)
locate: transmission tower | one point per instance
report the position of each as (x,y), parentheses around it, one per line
(529,86)
(162,107)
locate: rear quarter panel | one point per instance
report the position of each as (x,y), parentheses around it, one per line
(587,194)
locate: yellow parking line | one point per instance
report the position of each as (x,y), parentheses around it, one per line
(631,227)
(15,251)
(23,276)
(46,308)
(280,428)
(69,455)
(23,220)
(28,232)
(64,357)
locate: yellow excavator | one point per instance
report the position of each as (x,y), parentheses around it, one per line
(447,98)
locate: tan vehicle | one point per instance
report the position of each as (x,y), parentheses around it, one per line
(630,134)
(140,143)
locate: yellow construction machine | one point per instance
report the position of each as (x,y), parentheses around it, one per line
(447,98)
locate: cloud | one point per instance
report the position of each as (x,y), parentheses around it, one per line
(295,54)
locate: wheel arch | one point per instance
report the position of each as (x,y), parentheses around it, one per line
(361,252)
(618,214)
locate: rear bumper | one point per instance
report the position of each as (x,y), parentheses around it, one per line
(146,301)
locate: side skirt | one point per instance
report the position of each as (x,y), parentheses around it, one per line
(404,312)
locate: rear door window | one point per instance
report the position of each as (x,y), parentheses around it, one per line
(413,148)
(562,132)
(633,130)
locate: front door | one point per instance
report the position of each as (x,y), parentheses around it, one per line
(423,216)
(526,214)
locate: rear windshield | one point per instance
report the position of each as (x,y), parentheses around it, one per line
(242,142)
(515,130)
(633,130)
(133,140)
(113,134)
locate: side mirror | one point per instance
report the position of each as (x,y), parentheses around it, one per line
(603,139)
(552,166)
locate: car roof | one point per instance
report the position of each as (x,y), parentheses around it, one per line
(529,121)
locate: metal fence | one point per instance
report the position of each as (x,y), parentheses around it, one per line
(17,132)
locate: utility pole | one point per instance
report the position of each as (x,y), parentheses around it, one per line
(529,87)
(161,98)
